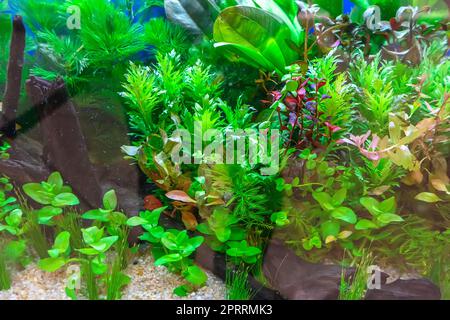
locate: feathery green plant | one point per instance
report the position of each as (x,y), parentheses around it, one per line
(107,34)
(166,36)
(376,96)
(61,56)
(41,14)
(142,97)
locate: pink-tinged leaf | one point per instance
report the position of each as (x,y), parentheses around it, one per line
(292,119)
(321,84)
(336,44)
(181,196)
(371,155)
(348,141)
(301,93)
(374,143)
(276,95)
(304,83)
(332,128)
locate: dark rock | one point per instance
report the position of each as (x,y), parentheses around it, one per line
(296,279)
(24,164)
(414,289)
(64,144)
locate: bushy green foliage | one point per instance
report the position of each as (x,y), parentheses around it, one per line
(165,36)
(61,57)
(172,248)
(376,96)
(41,15)
(169,88)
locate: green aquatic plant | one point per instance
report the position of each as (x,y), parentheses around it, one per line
(375,100)
(166,89)
(114,222)
(224,227)
(4,147)
(237,286)
(278,29)
(108,36)
(165,36)
(355,286)
(53,194)
(171,248)
(41,15)
(13,230)
(5,278)
(177,247)
(420,245)
(94,269)
(62,56)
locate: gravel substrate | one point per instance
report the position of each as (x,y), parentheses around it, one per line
(147,283)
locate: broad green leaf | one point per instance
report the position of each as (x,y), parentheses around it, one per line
(371,204)
(98,265)
(252,251)
(92,234)
(56,180)
(169,240)
(136,221)
(14,218)
(330,228)
(287,11)
(181,291)
(88,251)
(388,205)
(324,200)
(223,234)
(387,218)
(36,192)
(65,199)
(365,224)
(168,259)
(258,37)
(96,214)
(339,197)
(205,229)
(104,244)
(196,242)
(344,214)
(146,236)
(62,242)
(46,214)
(110,200)
(428,197)
(157,232)
(195,275)
(51,264)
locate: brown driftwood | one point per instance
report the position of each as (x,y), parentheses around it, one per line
(14,78)
(65,147)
